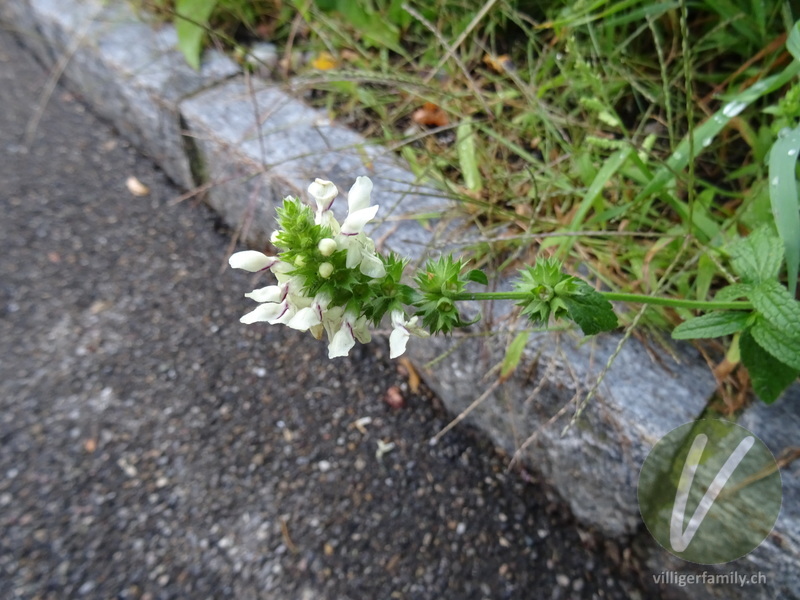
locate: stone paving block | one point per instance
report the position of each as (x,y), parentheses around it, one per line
(19,17)
(258,145)
(130,73)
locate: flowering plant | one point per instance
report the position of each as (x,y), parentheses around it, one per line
(331,280)
(329,277)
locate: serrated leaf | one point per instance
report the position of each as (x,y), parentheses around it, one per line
(733,292)
(777,306)
(513,354)
(478,276)
(782,347)
(757,257)
(191,19)
(591,311)
(769,377)
(711,325)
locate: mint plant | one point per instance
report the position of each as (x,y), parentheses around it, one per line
(331,281)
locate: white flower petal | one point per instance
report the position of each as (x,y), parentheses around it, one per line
(252,261)
(342,342)
(264,312)
(397,342)
(305,318)
(361,330)
(353,258)
(324,192)
(372,266)
(398,318)
(355,221)
(271,293)
(359,195)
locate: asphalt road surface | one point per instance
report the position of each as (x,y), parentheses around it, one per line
(153,447)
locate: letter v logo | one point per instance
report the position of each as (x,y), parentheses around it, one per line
(709,491)
(678,538)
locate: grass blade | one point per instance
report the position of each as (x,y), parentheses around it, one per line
(611,166)
(783,196)
(467,157)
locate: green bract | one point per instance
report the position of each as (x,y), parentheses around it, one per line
(439,284)
(552,293)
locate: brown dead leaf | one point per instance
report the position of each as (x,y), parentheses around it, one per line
(325,61)
(430,115)
(411,373)
(350,56)
(500,64)
(136,187)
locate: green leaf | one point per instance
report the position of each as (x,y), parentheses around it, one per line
(711,325)
(467,156)
(783,348)
(733,292)
(478,276)
(591,311)
(783,196)
(777,306)
(793,43)
(191,22)
(757,257)
(768,376)
(513,354)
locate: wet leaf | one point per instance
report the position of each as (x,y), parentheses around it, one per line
(430,115)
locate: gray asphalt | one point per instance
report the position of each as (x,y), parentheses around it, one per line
(153,447)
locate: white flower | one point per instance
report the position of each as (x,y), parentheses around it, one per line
(324,193)
(360,248)
(359,211)
(252,261)
(271,293)
(352,328)
(361,253)
(310,317)
(359,195)
(402,331)
(271,312)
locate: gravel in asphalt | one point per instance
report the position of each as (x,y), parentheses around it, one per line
(153,447)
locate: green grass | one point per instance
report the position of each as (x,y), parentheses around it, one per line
(612,118)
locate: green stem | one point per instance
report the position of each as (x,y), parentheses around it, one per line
(620,297)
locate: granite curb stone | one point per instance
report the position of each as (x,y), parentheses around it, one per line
(249,144)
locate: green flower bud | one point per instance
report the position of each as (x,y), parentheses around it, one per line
(325,270)
(299,261)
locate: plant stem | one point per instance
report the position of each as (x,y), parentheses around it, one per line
(634,298)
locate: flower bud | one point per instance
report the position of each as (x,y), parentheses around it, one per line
(325,270)
(299,261)
(274,237)
(327,246)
